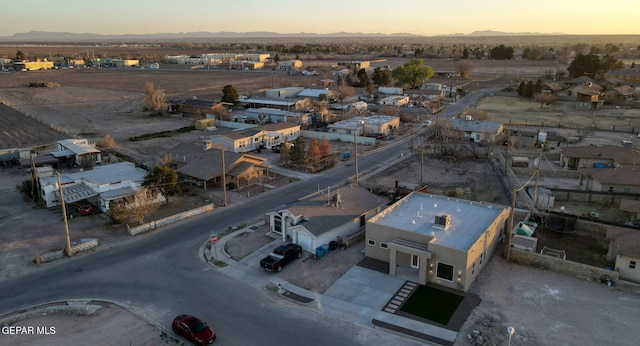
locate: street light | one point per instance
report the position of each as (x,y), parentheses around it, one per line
(355,147)
(510,331)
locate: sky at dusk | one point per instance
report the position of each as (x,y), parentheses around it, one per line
(420,17)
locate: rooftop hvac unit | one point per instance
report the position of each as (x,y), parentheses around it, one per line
(443,220)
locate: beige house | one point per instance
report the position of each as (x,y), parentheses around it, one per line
(396,100)
(288,65)
(436,239)
(624,247)
(261,137)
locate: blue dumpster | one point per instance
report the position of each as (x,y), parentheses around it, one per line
(322,250)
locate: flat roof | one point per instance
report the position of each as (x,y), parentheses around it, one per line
(416,213)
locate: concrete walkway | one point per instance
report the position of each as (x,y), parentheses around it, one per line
(359,296)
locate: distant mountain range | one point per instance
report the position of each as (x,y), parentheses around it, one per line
(44,36)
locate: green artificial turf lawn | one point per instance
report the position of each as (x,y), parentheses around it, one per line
(432,304)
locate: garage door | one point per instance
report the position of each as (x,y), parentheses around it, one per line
(304,240)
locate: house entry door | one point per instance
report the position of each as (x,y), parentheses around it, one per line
(415,261)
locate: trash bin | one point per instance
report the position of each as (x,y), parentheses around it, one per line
(322,250)
(333,245)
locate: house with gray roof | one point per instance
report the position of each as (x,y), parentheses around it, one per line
(477,130)
(624,248)
(604,168)
(324,217)
(77,152)
(438,239)
(101,185)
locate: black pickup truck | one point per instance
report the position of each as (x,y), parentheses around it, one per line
(280,256)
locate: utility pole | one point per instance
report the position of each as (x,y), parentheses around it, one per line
(355,152)
(535,191)
(64,214)
(421,160)
(224,180)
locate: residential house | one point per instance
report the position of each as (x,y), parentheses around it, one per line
(552,87)
(436,239)
(624,248)
(191,106)
(260,137)
(355,65)
(271,102)
(77,152)
(628,75)
(318,95)
(204,165)
(396,100)
(604,168)
(366,125)
(477,130)
(284,93)
(101,186)
(322,218)
(33,65)
(588,96)
(245,65)
(288,65)
(273,115)
(582,80)
(573,158)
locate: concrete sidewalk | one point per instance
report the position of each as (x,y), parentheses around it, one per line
(359,296)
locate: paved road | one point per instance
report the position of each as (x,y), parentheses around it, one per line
(160,275)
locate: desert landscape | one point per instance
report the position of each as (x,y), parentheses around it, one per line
(92,103)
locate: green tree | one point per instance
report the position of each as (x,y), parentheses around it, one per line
(591,64)
(297,152)
(522,89)
(381,77)
(164,180)
(413,74)
(229,94)
(276,58)
(501,52)
(20,56)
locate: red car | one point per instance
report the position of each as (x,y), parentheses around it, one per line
(84,209)
(193,329)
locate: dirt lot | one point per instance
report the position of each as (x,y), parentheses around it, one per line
(70,327)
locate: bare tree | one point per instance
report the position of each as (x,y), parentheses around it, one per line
(143,206)
(219,111)
(464,68)
(345,91)
(107,143)
(154,99)
(545,99)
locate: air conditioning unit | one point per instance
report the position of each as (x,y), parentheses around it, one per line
(443,220)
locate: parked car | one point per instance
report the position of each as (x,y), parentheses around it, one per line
(83,209)
(280,256)
(193,329)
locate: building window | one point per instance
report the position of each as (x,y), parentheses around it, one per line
(632,264)
(610,188)
(445,271)
(383,245)
(371,242)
